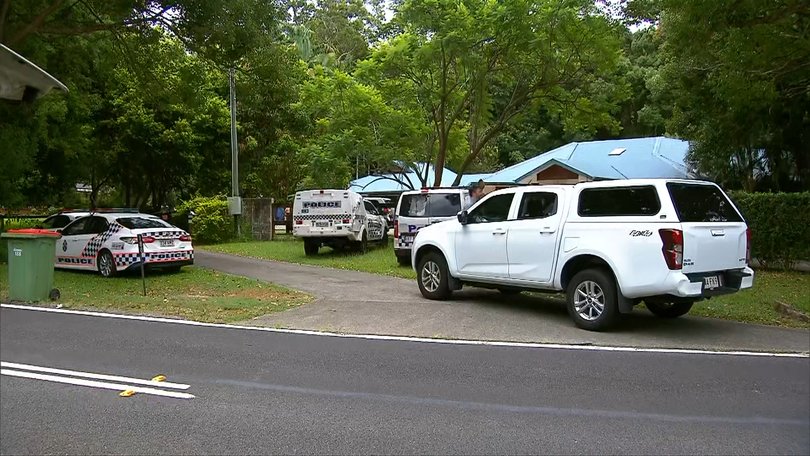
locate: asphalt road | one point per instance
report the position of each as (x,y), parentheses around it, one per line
(362,303)
(265,392)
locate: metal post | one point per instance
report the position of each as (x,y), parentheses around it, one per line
(143,260)
(234,149)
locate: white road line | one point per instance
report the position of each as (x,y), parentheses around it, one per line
(112,378)
(95,384)
(685,351)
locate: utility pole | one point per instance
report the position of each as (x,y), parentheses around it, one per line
(235,205)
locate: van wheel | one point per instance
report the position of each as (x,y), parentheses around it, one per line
(669,309)
(384,239)
(592,300)
(433,277)
(106,264)
(310,247)
(364,243)
(404,260)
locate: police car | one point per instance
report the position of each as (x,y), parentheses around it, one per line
(108,243)
(60,220)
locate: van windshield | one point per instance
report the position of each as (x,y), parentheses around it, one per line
(430,205)
(701,203)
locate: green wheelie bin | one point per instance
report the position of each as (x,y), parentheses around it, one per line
(31,255)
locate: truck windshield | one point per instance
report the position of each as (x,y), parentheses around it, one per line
(701,203)
(430,205)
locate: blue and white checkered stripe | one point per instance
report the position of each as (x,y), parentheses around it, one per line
(92,247)
(128,259)
(172,234)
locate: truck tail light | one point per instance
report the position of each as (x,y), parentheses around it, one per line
(673,248)
(748,246)
(346,221)
(396,229)
(299,222)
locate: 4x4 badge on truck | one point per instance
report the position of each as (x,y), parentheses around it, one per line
(637,233)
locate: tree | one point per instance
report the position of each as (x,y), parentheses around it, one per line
(335,33)
(739,76)
(217,29)
(353,128)
(467,67)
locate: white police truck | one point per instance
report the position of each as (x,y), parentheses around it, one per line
(338,219)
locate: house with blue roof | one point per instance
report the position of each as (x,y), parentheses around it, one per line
(636,158)
(408,179)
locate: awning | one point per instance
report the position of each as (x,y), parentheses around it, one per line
(20,79)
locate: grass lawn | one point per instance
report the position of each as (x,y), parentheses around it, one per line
(194,294)
(752,306)
(378,260)
(755,305)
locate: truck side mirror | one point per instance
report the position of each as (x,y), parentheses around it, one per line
(462,217)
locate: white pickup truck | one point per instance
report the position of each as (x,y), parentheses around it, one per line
(608,245)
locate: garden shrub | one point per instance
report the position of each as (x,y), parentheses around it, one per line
(212,224)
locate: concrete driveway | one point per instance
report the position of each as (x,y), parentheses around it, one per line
(362,303)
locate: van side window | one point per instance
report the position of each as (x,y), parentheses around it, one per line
(619,201)
(537,205)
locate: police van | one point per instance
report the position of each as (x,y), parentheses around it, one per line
(338,219)
(417,209)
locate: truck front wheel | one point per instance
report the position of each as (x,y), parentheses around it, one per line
(433,277)
(592,300)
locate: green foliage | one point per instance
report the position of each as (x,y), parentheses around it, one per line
(780,225)
(212,224)
(468,70)
(737,73)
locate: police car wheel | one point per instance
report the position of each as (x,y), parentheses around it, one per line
(106,264)
(432,276)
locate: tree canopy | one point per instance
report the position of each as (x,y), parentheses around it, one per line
(331,90)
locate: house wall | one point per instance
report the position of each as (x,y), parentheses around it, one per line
(555,175)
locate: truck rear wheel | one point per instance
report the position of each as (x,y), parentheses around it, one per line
(592,299)
(669,309)
(310,247)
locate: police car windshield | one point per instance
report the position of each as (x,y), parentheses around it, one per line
(430,205)
(135,223)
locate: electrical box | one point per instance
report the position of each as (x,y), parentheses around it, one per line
(235,205)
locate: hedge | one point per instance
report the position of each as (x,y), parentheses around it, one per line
(780,226)
(211,223)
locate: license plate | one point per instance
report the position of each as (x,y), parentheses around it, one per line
(166,243)
(712,282)
(321,224)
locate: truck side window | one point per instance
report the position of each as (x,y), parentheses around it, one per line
(537,205)
(619,201)
(494,209)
